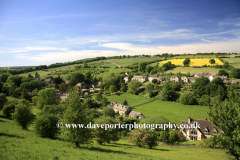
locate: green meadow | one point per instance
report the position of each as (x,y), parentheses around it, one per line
(173,111)
(16,144)
(129,61)
(193,70)
(235,62)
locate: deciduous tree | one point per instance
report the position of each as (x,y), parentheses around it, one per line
(23,114)
(226,117)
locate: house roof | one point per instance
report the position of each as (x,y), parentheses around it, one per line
(204,74)
(235,80)
(81,84)
(134,114)
(203,124)
(165,77)
(66,81)
(192,79)
(119,106)
(153,76)
(138,77)
(223,77)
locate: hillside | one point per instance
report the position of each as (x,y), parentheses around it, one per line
(21,144)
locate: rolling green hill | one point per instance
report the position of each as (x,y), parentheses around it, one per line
(16,143)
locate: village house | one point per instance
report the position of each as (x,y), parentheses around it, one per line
(236,81)
(185,79)
(48,80)
(126,79)
(141,79)
(164,78)
(205,131)
(127,73)
(204,74)
(151,77)
(66,81)
(135,114)
(192,79)
(227,81)
(211,77)
(64,96)
(82,85)
(174,79)
(121,109)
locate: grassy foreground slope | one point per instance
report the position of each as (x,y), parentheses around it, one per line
(16,143)
(173,111)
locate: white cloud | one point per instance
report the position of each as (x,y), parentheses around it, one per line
(36,48)
(131,49)
(54,57)
(230,21)
(222,46)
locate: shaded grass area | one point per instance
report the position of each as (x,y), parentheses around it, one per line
(25,144)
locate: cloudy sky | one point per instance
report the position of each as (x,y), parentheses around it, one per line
(50,31)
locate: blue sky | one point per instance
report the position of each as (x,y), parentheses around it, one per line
(45,32)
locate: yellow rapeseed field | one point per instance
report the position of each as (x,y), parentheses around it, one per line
(193,62)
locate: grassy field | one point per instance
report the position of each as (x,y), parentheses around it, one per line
(173,111)
(193,62)
(129,61)
(235,62)
(10,98)
(25,144)
(194,70)
(132,100)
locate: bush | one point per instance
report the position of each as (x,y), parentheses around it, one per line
(204,100)
(186,98)
(154,81)
(102,135)
(176,87)
(45,125)
(23,114)
(3,100)
(9,108)
(108,112)
(143,137)
(210,142)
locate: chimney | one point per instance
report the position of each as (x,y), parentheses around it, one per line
(189,120)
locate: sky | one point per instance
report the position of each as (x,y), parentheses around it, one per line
(44,32)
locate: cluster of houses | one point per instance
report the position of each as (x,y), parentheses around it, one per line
(125,111)
(206,128)
(185,79)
